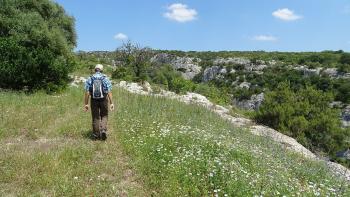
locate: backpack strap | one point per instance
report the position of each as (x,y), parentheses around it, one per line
(92,83)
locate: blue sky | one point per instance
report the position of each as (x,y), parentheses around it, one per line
(208,25)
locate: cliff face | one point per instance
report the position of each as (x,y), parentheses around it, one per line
(222,67)
(188,67)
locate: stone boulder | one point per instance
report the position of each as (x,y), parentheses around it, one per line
(162,58)
(76,81)
(136,88)
(214,72)
(210,73)
(255,67)
(188,67)
(331,72)
(244,85)
(230,60)
(308,71)
(253,103)
(345,116)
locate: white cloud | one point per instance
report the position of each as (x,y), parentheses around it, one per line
(180,13)
(286,14)
(120,36)
(265,38)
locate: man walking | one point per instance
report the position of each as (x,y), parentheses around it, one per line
(98,87)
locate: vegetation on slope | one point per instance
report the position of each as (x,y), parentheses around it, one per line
(176,149)
(322,137)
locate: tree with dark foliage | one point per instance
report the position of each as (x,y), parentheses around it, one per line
(36,45)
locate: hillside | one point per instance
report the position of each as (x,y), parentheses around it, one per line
(303,95)
(187,123)
(157,146)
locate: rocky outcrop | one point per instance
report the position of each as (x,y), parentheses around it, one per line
(255,67)
(162,58)
(235,60)
(330,72)
(210,73)
(187,66)
(244,85)
(214,72)
(76,81)
(345,116)
(339,170)
(135,88)
(345,112)
(253,103)
(307,71)
(289,143)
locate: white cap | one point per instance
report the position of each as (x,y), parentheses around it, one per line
(99,66)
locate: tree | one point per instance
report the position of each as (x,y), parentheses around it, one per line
(36,43)
(345,58)
(136,57)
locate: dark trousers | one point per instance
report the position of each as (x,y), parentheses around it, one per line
(99,112)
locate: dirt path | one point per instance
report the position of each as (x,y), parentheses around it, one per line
(67,165)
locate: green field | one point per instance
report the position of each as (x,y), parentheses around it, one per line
(156,147)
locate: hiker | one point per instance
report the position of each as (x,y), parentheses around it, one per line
(98,87)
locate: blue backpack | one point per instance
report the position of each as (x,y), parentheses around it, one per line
(97,87)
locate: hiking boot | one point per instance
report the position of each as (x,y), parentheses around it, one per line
(103,135)
(95,136)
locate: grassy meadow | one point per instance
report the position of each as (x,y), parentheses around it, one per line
(156,147)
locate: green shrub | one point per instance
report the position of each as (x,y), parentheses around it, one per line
(342,89)
(304,115)
(36,42)
(213,93)
(345,58)
(123,73)
(181,85)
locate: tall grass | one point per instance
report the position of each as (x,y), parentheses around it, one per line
(174,150)
(185,150)
(45,150)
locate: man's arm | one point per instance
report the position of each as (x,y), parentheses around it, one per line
(87,93)
(109,94)
(110,98)
(86,101)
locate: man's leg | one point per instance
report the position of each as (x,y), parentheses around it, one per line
(104,118)
(95,114)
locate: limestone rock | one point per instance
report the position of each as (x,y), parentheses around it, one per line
(235,60)
(77,81)
(244,85)
(331,72)
(308,71)
(135,88)
(253,103)
(210,73)
(289,142)
(255,67)
(345,116)
(187,66)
